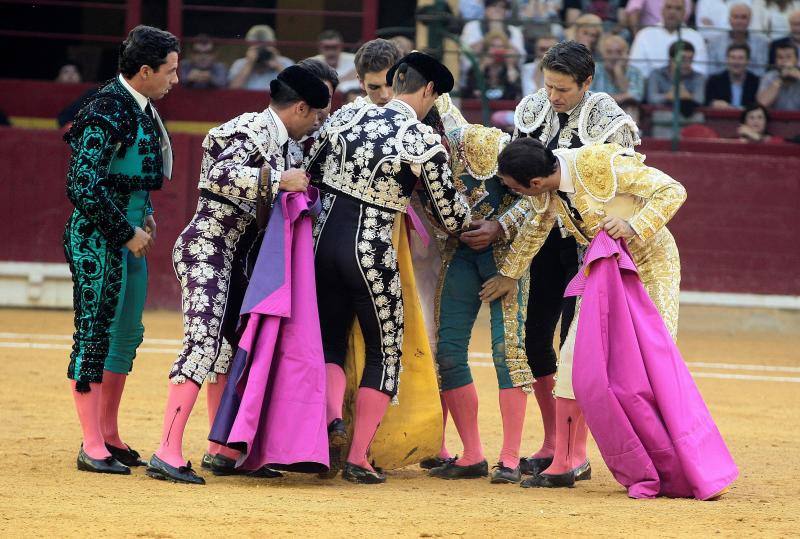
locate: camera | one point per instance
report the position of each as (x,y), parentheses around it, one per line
(264,55)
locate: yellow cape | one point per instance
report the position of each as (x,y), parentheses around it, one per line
(411,430)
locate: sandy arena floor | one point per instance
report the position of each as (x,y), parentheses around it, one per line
(747,364)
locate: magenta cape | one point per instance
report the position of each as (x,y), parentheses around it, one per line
(273,407)
(640,402)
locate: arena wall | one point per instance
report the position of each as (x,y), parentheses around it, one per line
(738,231)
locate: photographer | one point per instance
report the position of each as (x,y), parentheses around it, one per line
(499,64)
(261,63)
(780,88)
(202,70)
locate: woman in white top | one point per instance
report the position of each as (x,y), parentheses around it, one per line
(772,17)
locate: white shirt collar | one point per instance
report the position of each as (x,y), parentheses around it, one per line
(283,134)
(140,99)
(566,184)
(403,108)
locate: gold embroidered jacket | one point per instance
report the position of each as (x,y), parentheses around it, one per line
(609,180)
(596,120)
(474,149)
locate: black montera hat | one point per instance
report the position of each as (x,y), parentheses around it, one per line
(310,88)
(428,66)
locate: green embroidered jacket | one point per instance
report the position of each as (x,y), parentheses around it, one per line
(116,151)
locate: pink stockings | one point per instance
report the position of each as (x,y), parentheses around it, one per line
(336,383)
(88,407)
(571,435)
(512,410)
(443,452)
(213,398)
(180,401)
(371,406)
(543,389)
(463,405)
(110,397)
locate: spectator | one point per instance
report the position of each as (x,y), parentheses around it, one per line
(739,18)
(735,87)
(499,67)
(494,19)
(692,86)
(753,126)
(772,17)
(792,39)
(711,18)
(261,64)
(404,44)
(611,12)
(531,75)
(650,45)
(470,9)
(202,70)
(643,13)
(539,18)
(614,75)
(331,52)
(540,11)
(586,31)
(69,74)
(780,88)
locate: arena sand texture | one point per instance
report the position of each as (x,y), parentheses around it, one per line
(751,388)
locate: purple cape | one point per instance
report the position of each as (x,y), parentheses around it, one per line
(640,402)
(273,407)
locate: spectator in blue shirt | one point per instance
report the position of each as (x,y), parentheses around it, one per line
(614,75)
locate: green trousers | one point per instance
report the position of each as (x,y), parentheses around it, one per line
(109,292)
(457,308)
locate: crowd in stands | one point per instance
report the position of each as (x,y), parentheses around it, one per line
(725,54)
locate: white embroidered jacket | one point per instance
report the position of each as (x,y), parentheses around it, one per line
(234,155)
(377,154)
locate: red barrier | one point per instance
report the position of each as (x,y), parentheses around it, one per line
(737,231)
(45,99)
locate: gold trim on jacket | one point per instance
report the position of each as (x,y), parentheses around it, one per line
(609,180)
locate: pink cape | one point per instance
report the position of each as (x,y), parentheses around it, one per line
(640,402)
(273,408)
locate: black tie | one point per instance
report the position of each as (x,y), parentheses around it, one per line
(285,153)
(562,122)
(574,212)
(149,111)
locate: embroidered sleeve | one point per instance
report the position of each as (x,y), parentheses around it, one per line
(515,216)
(232,167)
(530,238)
(92,154)
(625,136)
(451,117)
(448,206)
(315,160)
(602,120)
(663,194)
